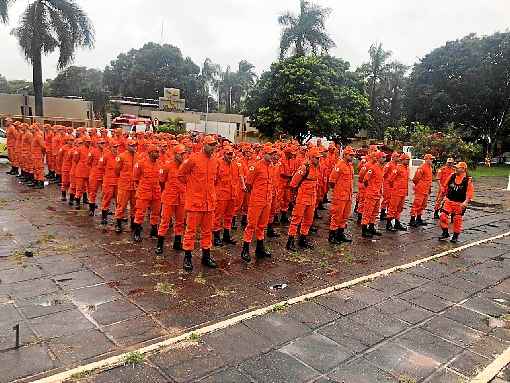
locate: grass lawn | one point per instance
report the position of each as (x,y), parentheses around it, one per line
(493,171)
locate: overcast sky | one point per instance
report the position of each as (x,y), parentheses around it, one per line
(230,30)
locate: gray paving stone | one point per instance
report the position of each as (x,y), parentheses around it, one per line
(469,364)
(9,315)
(129,374)
(44,305)
(317,351)
(360,371)
(116,311)
(447,292)
(237,343)
(133,331)
(20,274)
(277,327)
(446,375)
(489,346)
(14,362)
(468,317)
(8,335)
(229,375)
(459,283)
(429,345)
(77,279)
(29,289)
(453,331)
(486,306)
(400,361)
(277,367)
(404,311)
(351,334)
(501,333)
(348,301)
(426,300)
(379,321)
(93,296)
(312,314)
(60,324)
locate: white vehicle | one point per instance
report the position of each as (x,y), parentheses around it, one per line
(3,143)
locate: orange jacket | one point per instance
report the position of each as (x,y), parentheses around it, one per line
(146,174)
(423,179)
(342,176)
(229,180)
(199,173)
(124,166)
(37,146)
(11,138)
(307,187)
(373,180)
(174,189)
(259,180)
(443,175)
(66,156)
(96,173)
(107,166)
(388,170)
(80,158)
(398,180)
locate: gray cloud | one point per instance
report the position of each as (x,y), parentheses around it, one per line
(230,30)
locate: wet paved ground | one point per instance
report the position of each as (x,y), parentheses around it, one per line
(87,294)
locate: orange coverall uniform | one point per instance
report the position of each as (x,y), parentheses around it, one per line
(306,180)
(260,181)
(96,173)
(199,172)
(398,180)
(148,191)
(82,170)
(443,175)
(11,144)
(38,150)
(422,183)
(65,156)
(26,152)
(50,155)
(107,166)
(373,181)
(124,166)
(342,176)
(360,197)
(459,189)
(172,199)
(227,192)
(388,170)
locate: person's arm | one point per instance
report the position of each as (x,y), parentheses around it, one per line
(118,165)
(298,177)
(335,174)
(470,192)
(185,170)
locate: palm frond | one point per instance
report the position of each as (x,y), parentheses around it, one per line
(4,10)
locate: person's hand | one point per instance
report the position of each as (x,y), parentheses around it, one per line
(465,204)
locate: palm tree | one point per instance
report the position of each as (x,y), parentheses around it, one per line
(4,5)
(45,26)
(305,32)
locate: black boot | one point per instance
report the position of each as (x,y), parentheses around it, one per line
(359,219)
(71,199)
(321,206)
(455,238)
(271,233)
(118,226)
(154,231)
(383,215)
(340,235)
(159,246)
(92,209)
(365,233)
(104,217)
(333,238)
(389,226)
(260,251)
(420,222)
(20,176)
(314,229)
(10,172)
(234,224)
(304,243)
(276,220)
(137,233)
(177,243)
(227,239)
(436,214)
(413,222)
(244,221)
(291,246)
(207,260)
(78,206)
(64,197)
(187,264)
(284,220)
(445,235)
(217,240)
(31,182)
(85,199)
(399,226)
(245,254)
(373,230)
(132,224)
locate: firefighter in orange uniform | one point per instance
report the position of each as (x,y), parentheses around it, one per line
(260,185)
(172,199)
(124,167)
(11,145)
(398,181)
(107,165)
(422,185)
(38,150)
(372,181)
(388,170)
(96,173)
(200,172)
(341,180)
(459,192)
(443,176)
(82,170)
(305,183)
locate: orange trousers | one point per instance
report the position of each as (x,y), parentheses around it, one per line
(109,192)
(386,197)
(286,196)
(360,198)
(419,204)
(396,206)
(66,181)
(141,209)
(81,186)
(223,214)
(123,198)
(38,169)
(452,208)
(439,199)
(94,185)
(301,215)
(195,219)
(370,209)
(167,212)
(340,213)
(258,217)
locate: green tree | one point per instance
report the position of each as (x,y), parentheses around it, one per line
(307,96)
(21,87)
(4,8)
(4,85)
(47,25)
(305,32)
(465,82)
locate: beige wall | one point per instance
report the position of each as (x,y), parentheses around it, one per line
(186,117)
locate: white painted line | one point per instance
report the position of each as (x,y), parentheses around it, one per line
(119,359)
(493,369)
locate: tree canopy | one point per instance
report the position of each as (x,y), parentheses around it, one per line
(307,96)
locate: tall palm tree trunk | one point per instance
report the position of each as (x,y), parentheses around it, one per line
(38,83)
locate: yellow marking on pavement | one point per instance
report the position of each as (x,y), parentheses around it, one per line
(118,360)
